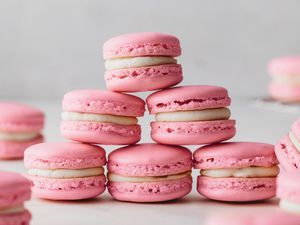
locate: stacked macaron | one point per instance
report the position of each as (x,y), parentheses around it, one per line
(285,73)
(237,171)
(142,62)
(20,127)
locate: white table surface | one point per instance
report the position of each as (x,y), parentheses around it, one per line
(253,124)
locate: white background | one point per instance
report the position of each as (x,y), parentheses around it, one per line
(48,47)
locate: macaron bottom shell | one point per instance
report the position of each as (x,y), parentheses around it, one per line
(21,218)
(188,133)
(100,133)
(237,189)
(284,93)
(150,191)
(68,189)
(143,78)
(15,150)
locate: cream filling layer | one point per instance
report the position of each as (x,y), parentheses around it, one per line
(131,62)
(104,118)
(195,115)
(287,79)
(290,206)
(118,178)
(12,210)
(294,141)
(24,136)
(66,173)
(242,172)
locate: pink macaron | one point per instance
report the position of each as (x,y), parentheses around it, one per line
(191,115)
(14,191)
(149,173)
(101,117)
(276,217)
(66,171)
(288,192)
(285,73)
(237,171)
(142,62)
(288,149)
(20,127)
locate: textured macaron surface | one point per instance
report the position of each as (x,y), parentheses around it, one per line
(68,155)
(14,189)
(284,65)
(235,155)
(141,44)
(16,117)
(149,160)
(21,218)
(195,97)
(103,102)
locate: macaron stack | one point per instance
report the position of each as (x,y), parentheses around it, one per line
(161,171)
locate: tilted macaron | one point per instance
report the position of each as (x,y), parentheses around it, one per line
(14,191)
(288,191)
(66,171)
(288,149)
(237,171)
(149,173)
(101,117)
(191,115)
(20,127)
(285,73)
(142,62)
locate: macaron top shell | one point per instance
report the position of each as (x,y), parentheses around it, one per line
(19,117)
(195,97)
(64,155)
(150,160)
(141,44)
(284,65)
(103,102)
(11,185)
(235,155)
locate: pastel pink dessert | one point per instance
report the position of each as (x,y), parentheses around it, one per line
(288,149)
(20,127)
(288,191)
(142,62)
(285,73)
(66,171)
(14,191)
(149,173)
(190,115)
(101,117)
(275,217)
(237,171)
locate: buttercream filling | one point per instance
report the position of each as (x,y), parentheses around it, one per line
(66,173)
(104,118)
(12,210)
(294,141)
(246,172)
(287,79)
(195,115)
(119,178)
(16,136)
(132,62)
(290,206)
